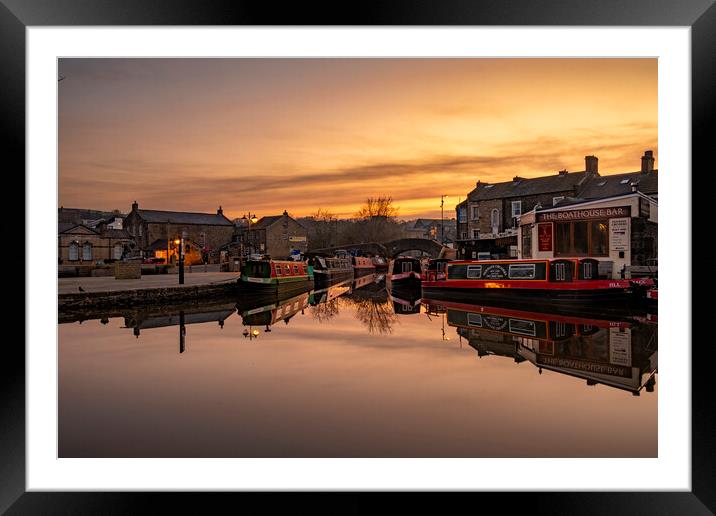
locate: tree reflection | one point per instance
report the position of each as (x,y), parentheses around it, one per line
(326,310)
(376,314)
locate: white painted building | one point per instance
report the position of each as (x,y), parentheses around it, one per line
(618,231)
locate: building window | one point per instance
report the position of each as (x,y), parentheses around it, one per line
(582,238)
(86,251)
(495,220)
(555,200)
(475,234)
(74,251)
(463,235)
(118,251)
(526,241)
(140,230)
(475,212)
(462,214)
(516,208)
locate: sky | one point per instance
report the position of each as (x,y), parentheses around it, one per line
(262,136)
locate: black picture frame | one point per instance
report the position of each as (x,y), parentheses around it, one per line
(699,15)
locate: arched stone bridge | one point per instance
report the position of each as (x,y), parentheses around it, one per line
(389,249)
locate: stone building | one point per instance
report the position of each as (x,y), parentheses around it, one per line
(82,245)
(279,236)
(432,229)
(489,218)
(157,229)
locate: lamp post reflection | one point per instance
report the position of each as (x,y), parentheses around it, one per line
(251,333)
(182,332)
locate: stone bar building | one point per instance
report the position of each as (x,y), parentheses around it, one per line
(279,236)
(619,231)
(489,218)
(155,230)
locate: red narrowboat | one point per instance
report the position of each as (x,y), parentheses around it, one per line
(571,280)
(363,264)
(404,271)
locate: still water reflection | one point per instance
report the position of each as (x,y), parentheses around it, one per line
(353,370)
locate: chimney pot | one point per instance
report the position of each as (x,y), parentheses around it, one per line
(591,165)
(219,211)
(135,206)
(563,172)
(647,162)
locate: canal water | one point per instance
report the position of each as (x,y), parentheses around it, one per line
(354,370)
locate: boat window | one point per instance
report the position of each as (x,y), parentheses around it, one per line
(474,271)
(522,271)
(287,269)
(295,269)
(474,320)
(407,266)
(278,270)
(523,327)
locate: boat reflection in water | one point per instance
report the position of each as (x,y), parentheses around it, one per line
(618,353)
(405,301)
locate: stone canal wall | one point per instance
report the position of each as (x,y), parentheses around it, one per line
(124,298)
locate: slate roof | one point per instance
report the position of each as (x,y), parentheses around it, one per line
(184,217)
(265,222)
(77,215)
(270,220)
(527,186)
(618,184)
(64,226)
(116,233)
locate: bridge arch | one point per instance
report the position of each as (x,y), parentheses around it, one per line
(397,247)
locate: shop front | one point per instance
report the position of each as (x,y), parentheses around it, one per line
(612,230)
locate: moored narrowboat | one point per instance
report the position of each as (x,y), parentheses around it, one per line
(404,271)
(381,264)
(571,280)
(327,269)
(435,269)
(363,264)
(276,276)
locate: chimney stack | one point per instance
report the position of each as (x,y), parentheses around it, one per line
(219,211)
(563,172)
(477,185)
(647,162)
(135,206)
(517,178)
(591,164)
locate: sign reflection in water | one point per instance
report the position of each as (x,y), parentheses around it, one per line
(355,369)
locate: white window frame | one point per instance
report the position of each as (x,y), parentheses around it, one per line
(85,246)
(474,212)
(120,248)
(476,270)
(74,246)
(519,204)
(475,234)
(495,219)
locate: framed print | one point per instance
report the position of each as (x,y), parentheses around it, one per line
(413,250)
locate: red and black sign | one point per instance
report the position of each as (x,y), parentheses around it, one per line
(544,236)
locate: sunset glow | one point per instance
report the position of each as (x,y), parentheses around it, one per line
(267,135)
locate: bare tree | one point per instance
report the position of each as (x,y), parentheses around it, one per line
(377,220)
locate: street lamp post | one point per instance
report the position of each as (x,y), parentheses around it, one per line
(250,219)
(180,250)
(442,219)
